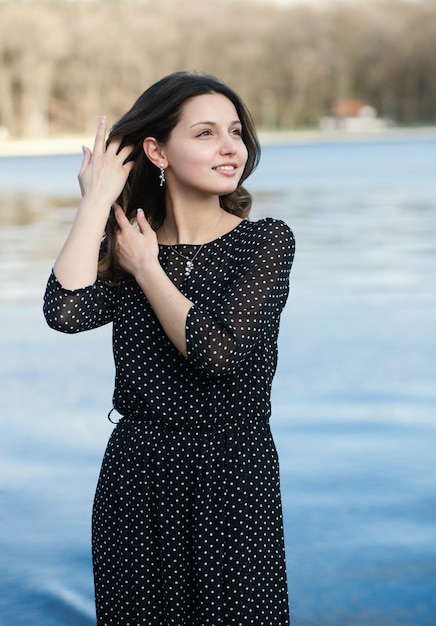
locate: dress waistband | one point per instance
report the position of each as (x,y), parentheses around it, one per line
(187,424)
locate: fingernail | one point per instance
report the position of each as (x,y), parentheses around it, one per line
(103,119)
(140,212)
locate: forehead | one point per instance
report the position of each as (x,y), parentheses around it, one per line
(209,107)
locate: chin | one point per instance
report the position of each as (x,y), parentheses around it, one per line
(228,189)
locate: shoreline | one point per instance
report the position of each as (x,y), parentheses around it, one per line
(72,144)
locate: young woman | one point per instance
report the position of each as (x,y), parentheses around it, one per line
(187,521)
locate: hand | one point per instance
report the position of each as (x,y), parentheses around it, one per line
(103,173)
(136,251)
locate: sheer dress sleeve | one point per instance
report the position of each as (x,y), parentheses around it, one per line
(82,309)
(217,341)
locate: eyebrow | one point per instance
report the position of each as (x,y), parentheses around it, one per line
(206,123)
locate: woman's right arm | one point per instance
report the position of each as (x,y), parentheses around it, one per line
(102,177)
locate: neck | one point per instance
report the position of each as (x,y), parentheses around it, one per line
(191,228)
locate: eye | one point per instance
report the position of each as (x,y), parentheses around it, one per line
(205,133)
(237,132)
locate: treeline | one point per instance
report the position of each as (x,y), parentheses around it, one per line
(62,64)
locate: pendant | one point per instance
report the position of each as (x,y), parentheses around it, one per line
(188,268)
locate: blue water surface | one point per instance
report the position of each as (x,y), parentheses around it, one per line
(354,402)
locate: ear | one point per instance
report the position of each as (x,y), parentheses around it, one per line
(154,152)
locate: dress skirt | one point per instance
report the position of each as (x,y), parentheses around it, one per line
(187,527)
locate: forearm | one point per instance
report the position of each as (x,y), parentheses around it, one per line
(77,263)
(168,303)
(102,176)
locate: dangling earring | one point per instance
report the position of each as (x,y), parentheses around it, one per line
(162,175)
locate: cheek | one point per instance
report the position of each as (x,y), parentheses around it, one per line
(181,162)
(188,166)
(243,155)
(189,159)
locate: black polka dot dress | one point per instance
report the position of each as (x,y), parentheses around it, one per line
(187,518)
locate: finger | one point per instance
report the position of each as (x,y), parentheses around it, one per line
(85,162)
(86,159)
(100,136)
(113,145)
(120,216)
(141,220)
(123,153)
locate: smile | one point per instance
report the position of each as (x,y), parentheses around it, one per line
(225,168)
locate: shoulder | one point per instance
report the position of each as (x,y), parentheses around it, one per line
(270,227)
(268,232)
(267,242)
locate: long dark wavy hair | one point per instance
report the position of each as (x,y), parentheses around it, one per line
(155,114)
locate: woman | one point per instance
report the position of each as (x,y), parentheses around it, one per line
(187,524)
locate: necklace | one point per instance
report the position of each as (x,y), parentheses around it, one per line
(190,262)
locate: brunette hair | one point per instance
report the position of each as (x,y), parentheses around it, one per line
(155,114)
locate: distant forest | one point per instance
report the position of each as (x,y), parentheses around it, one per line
(63,64)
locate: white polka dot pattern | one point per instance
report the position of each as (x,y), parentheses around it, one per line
(187,526)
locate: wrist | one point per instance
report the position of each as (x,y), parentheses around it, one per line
(95,204)
(148,269)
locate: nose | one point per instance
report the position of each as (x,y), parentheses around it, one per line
(228,144)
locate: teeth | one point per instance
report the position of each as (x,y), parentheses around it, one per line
(226,168)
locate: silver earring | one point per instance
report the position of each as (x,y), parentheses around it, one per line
(162,175)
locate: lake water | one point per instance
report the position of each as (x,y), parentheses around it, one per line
(354,397)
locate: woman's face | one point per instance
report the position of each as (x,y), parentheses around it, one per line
(205,151)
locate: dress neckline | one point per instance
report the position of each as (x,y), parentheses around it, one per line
(167,246)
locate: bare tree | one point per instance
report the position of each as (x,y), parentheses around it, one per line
(32,42)
(64,64)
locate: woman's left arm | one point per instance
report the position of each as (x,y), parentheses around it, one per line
(220,339)
(214,341)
